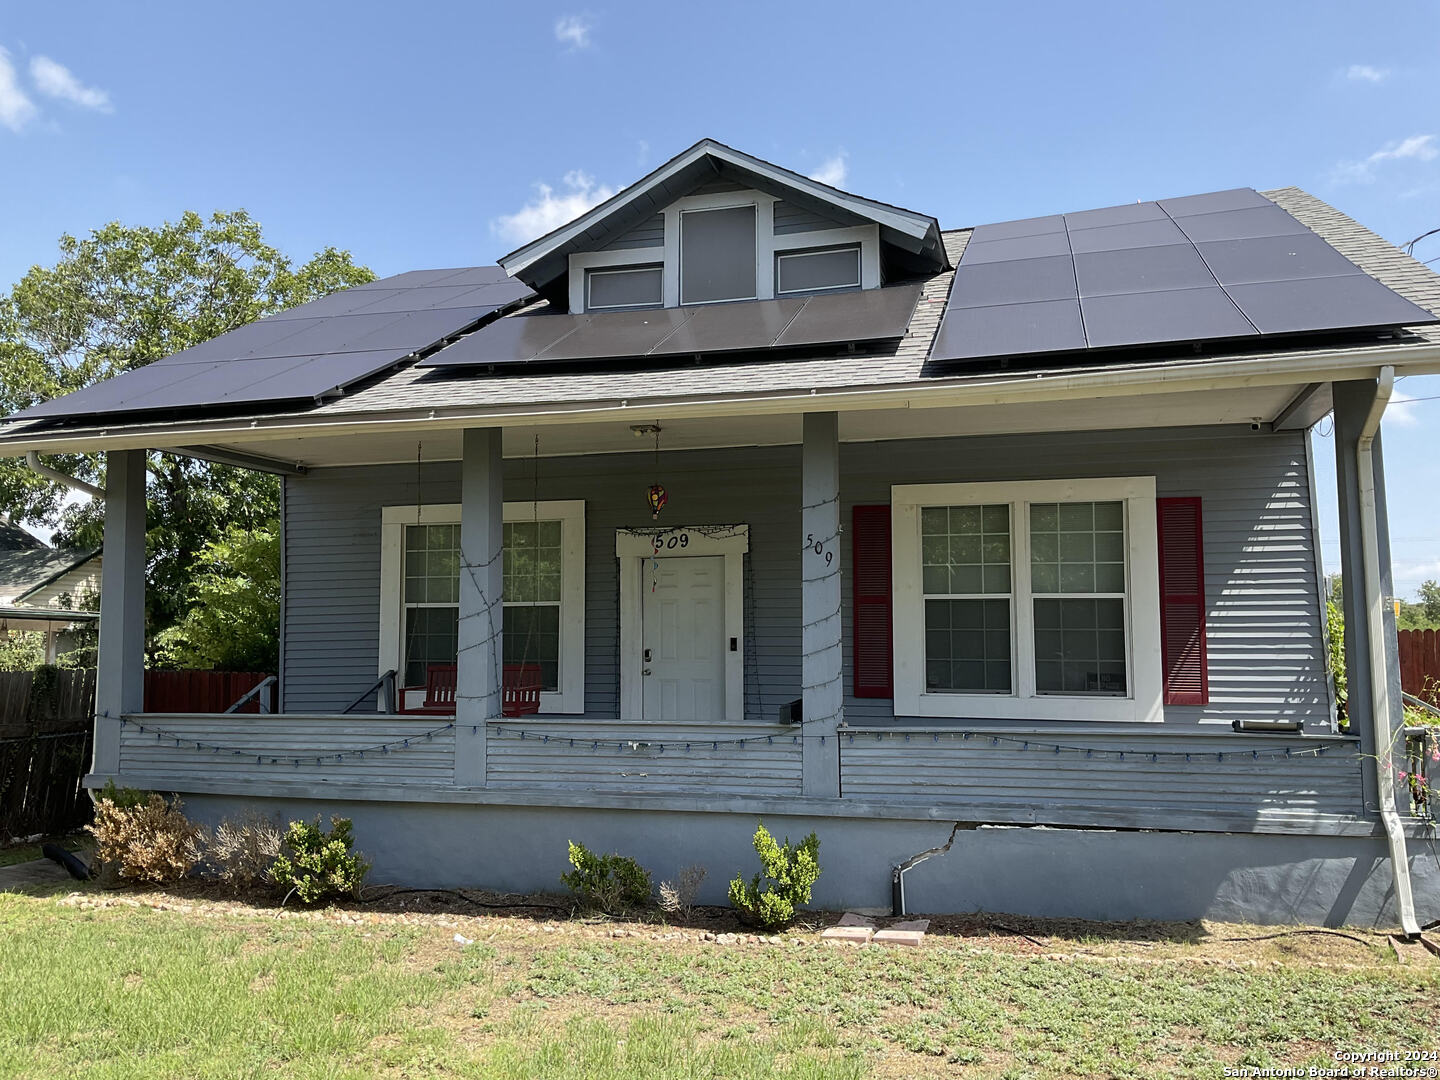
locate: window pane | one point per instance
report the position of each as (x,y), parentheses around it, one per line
(532,561)
(809,271)
(627,288)
(1077,548)
(431,637)
(532,636)
(717,255)
(432,564)
(967,646)
(1080,646)
(965,549)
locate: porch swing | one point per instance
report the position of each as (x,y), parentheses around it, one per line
(521,683)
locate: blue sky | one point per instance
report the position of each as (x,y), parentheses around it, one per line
(438,133)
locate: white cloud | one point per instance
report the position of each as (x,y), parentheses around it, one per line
(1401,411)
(550,208)
(1415,148)
(56,80)
(573,31)
(1366,73)
(832,170)
(16,109)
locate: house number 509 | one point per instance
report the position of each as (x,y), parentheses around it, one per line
(671,542)
(818,547)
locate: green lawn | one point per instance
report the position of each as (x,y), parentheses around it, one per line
(225,991)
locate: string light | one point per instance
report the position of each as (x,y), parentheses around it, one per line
(393,746)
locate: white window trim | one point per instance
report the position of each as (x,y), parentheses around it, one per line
(1144,703)
(634,548)
(647,269)
(781,256)
(570,697)
(767,244)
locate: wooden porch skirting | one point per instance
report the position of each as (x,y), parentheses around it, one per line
(1229,783)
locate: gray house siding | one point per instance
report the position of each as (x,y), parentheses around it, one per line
(649,233)
(792,218)
(1266,647)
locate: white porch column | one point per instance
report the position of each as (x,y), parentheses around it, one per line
(120,678)
(477,682)
(821,662)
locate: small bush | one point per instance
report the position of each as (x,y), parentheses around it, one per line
(244,850)
(610,883)
(152,842)
(125,798)
(678,897)
(787,873)
(317,865)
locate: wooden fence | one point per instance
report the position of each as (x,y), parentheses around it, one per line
(199,691)
(1420,664)
(46,719)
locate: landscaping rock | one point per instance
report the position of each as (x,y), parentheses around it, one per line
(912,938)
(853,935)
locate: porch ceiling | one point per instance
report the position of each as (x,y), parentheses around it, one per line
(1194,408)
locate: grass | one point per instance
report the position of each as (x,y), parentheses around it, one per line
(145,985)
(22,853)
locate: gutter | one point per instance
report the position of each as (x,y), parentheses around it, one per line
(32,459)
(1379,677)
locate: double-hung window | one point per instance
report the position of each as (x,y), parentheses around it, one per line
(1030,600)
(543,619)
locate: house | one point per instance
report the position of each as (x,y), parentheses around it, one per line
(45,590)
(990,554)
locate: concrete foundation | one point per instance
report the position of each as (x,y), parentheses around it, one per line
(1077,873)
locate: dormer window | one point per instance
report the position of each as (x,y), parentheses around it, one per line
(624,288)
(717,254)
(800,273)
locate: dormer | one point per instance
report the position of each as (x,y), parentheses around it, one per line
(715,226)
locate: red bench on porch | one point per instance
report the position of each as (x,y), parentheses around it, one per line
(521,684)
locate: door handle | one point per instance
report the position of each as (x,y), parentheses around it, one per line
(645,672)
(647,656)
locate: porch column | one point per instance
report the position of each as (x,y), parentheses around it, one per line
(477,681)
(1352,403)
(821,662)
(120,675)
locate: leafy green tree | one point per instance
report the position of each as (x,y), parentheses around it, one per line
(122,298)
(234,614)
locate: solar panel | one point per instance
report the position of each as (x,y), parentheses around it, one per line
(1224,265)
(1170,315)
(1331,303)
(307,351)
(867,315)
(1146,269)
(1047,326)
(1014,282)
(730,327)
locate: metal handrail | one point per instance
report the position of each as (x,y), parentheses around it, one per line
(386,685)
(1420,703)
(254,692)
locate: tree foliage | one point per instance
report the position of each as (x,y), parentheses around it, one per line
(1421,614)
(118,300)
(234,606)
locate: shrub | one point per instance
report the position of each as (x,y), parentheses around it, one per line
(317,865)
(244,850)
(678,897)
(787,873)
(610,883)
(126,798)
(152,841)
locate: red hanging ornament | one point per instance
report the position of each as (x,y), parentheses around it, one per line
(657,497)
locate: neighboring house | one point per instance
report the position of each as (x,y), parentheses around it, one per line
(742,496)
(45,590)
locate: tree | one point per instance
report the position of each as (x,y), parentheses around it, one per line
(234,608)
(122,298)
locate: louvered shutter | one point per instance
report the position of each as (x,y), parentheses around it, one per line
(1182,602)
(870,586)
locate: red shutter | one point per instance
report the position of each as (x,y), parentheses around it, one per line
(1182,602)
(870,582)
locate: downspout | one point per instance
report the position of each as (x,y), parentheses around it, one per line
(1379,678)
(32,458)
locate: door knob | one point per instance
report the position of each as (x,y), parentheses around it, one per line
(645,672)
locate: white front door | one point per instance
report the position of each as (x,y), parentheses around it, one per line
(683,637)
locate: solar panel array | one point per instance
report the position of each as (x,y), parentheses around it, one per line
(1226,265)
(306,352)
(827,319)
